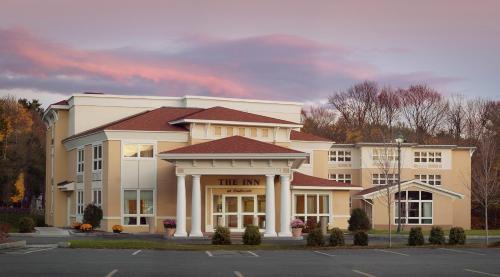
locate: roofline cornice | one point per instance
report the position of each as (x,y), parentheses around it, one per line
(242,123)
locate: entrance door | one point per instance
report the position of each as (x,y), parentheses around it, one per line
(238,211)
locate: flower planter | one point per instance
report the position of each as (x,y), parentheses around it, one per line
(170,232)
(296,232)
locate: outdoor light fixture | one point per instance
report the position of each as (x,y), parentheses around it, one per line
(399,141)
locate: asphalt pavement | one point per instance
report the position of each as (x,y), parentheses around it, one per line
(48,261)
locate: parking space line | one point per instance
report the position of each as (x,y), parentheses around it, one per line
(38,250)
(238,274)
(253,254)
(112,273)
(136,252)
(363,273)
(323,253)
(463,251)
(209,253)
(392,252)
(480,272)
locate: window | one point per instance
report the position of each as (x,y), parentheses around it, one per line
(79,202)
(80,161)
(385,154)
(340,156)
(97,197)
(344,178)
(427,157)
(138,151)
(379,179)
(137,206)
(218,131)
(416,207)
(241,132)
(97,157)
(431,179)
(229,131)
(265,133)
(311,205)
(253,132)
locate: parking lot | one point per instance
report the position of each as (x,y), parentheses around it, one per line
(46,261)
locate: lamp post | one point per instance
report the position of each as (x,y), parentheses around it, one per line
(399,142)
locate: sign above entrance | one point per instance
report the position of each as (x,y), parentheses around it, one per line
(239,182)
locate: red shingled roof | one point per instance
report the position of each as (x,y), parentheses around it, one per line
(300,179)
(296,135)
(232,145)
(226,114)
(155,120)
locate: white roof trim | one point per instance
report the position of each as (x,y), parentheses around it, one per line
(404,185)
(242,123)
(325,188)
(67,187)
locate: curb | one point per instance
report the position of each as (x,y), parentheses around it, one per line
(14,244)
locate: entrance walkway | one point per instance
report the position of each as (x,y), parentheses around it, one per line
(51,232)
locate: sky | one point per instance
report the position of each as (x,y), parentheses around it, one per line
(277,50)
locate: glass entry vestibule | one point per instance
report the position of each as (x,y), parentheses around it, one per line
(238,211)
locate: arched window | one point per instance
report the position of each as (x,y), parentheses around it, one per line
(416,207)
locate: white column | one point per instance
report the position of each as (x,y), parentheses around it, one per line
(181,207)
(270,212)
(285,206)
(196,208)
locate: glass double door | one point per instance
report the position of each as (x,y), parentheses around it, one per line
(238,211)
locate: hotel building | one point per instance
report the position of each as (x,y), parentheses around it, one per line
(208,161)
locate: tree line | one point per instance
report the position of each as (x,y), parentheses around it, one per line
(22,151)
(367,112)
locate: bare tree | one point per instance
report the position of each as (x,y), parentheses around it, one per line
(319,121)
(385,160)
(476,119)
(485,175)
(455,118)
(423,109)
(390,107)
(356,103)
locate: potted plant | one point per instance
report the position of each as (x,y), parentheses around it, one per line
(76,225)
(170,226)
(297,226)
(117,228)
(86,227)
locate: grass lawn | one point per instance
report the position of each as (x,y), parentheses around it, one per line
(158,245)
(495,232)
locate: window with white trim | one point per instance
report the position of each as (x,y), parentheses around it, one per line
(431,179)
(97,157)
(379,179)
(218,131)
(344,178)
(144,151)
(384,154)
(137,206)
(339,156)
(427,157)
(80,161)
(79,202)
(311,205)
(416,207)
(97,197)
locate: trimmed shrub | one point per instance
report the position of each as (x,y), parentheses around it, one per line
(315,238)
(437,235)
(457,236)
(26,225)
(416,236)
(311,224)
(92,215)
(361,238)
(222,236)
(251,236)
(359,221)
(85,227)
(336,237)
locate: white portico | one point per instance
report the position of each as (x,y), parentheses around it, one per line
(226,177)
